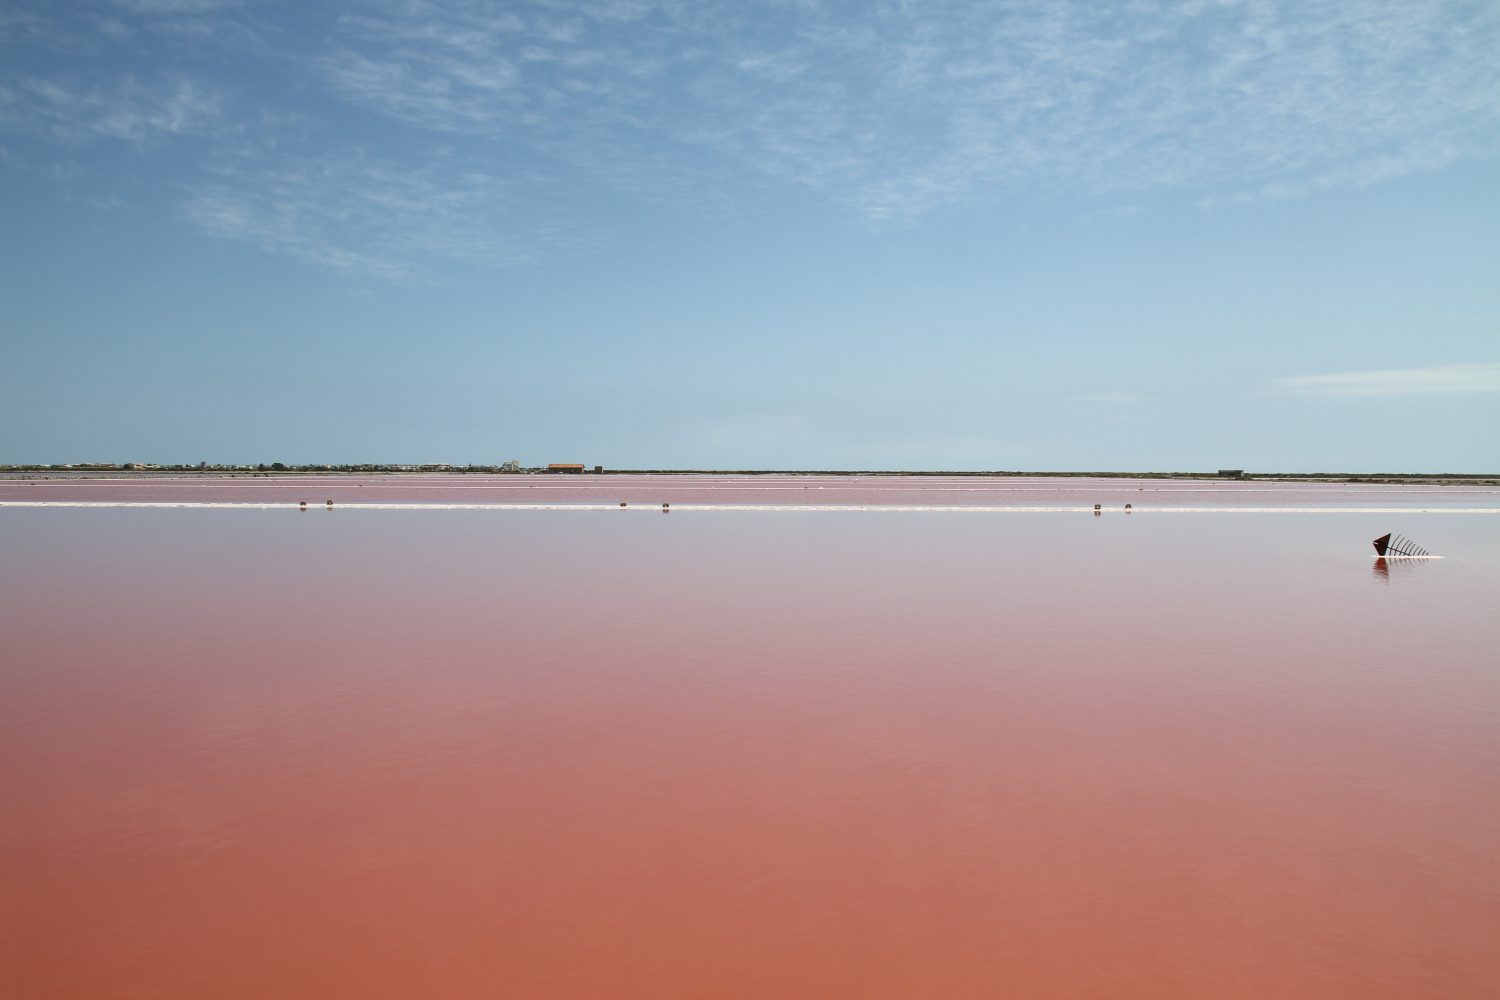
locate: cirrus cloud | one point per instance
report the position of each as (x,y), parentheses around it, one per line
(1467,378)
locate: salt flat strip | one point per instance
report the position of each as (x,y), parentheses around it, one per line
(891,508)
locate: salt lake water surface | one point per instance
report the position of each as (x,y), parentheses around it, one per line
(365,752)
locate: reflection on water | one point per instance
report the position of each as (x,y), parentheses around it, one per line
(1388,566)
(450,754)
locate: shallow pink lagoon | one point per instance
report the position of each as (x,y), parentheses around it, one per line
(718,490)
(456,753)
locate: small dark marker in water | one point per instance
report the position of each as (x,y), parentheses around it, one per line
(1127,508)
(1098,506)
(665,506)
(1398,545)
(302,505)
(622,503)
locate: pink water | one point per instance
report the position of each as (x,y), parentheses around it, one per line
(459,753)
(679,490)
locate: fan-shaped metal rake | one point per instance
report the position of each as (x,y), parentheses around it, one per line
(1397,545)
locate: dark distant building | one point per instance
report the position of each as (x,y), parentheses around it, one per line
(1231,473)
(565,467)
(598,470)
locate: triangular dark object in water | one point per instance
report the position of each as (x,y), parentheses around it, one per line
(1398,545)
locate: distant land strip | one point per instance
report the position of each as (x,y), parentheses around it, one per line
(148,470)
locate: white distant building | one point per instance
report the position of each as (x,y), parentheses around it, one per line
(512,466)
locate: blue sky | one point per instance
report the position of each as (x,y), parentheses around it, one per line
(937,235)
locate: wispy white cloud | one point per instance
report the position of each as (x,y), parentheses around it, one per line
(1398,382)
(442,93)
(898,108)
(20,25)
(890,108)
(129,109)
(350,213)
(202,18)
(175,7)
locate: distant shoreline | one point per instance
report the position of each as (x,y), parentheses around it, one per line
(144,471)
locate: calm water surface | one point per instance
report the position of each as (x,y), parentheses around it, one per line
(758,490)
(461,753)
